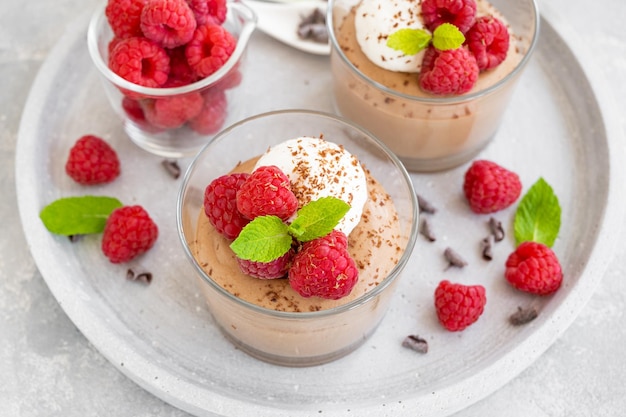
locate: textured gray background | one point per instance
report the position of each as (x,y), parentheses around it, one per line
(47,368)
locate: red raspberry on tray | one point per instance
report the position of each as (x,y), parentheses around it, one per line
(460,13)
(92,161)
(448,72)
(490,187)
(128,233)
(124,16)
(220,204)
(209,49)
(170,23)
(533,267)
(488,40)
(140,61)
(457,305)
(267,192)
(267,270)
(324,268)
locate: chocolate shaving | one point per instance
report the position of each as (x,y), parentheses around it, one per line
(426,230)
(485,247)
(74,238)
(453,258)
(496,229)
(415,343)
(145,277)
(313,27)
(523,316)
(172,168)
(425,206)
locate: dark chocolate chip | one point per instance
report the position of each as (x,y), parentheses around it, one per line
(425,206)
(415,343)
(453,258)
(496,229)
(426,230)
(171,167)
(523,316)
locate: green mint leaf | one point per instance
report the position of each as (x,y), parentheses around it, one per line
(538,216)
(409,41)
(262,240)
(447,36)
(318,218)
(78,215)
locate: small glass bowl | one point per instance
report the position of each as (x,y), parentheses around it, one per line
(429,133)
(219,92)
(295,338)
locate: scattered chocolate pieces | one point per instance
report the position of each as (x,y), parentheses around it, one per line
(496,229)
(415,343)
(145,277)
(523,316)
(171,167)
(426,230)
(425,206)
(485,247)
(74,238)
(313,27)
(453,258)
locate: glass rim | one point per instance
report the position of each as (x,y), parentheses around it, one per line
(308,315)
(436,100)
(99,18)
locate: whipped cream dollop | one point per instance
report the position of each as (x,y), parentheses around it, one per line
(375,20)
(318,168)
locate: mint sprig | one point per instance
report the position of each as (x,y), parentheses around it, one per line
(267,238)
(78,215)
(412,41)
(538,216)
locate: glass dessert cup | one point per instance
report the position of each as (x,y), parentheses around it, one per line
(295,338)
(430,133)
(220,90)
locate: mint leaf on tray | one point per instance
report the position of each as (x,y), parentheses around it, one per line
(78,215)
(538,216)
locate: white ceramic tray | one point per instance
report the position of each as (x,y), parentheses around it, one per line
(163,337)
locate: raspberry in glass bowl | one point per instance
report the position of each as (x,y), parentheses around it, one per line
(172,68)
(436,105)
(324,290)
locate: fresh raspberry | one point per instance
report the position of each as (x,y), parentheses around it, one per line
(448,72)
(212,115)
(458,305)
(267,192)
(129,232)
(124,17)
(533,267)
(180,72)
(140,61)
(133,110)
(173,112)
(488,40)
(209,49)
(489,187)
(208,11)
(220,204)
(267,270)
(170,23)
(92,161)
(324,268)
(460,13)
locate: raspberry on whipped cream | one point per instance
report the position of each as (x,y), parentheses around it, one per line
(375,20)
(317,168)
